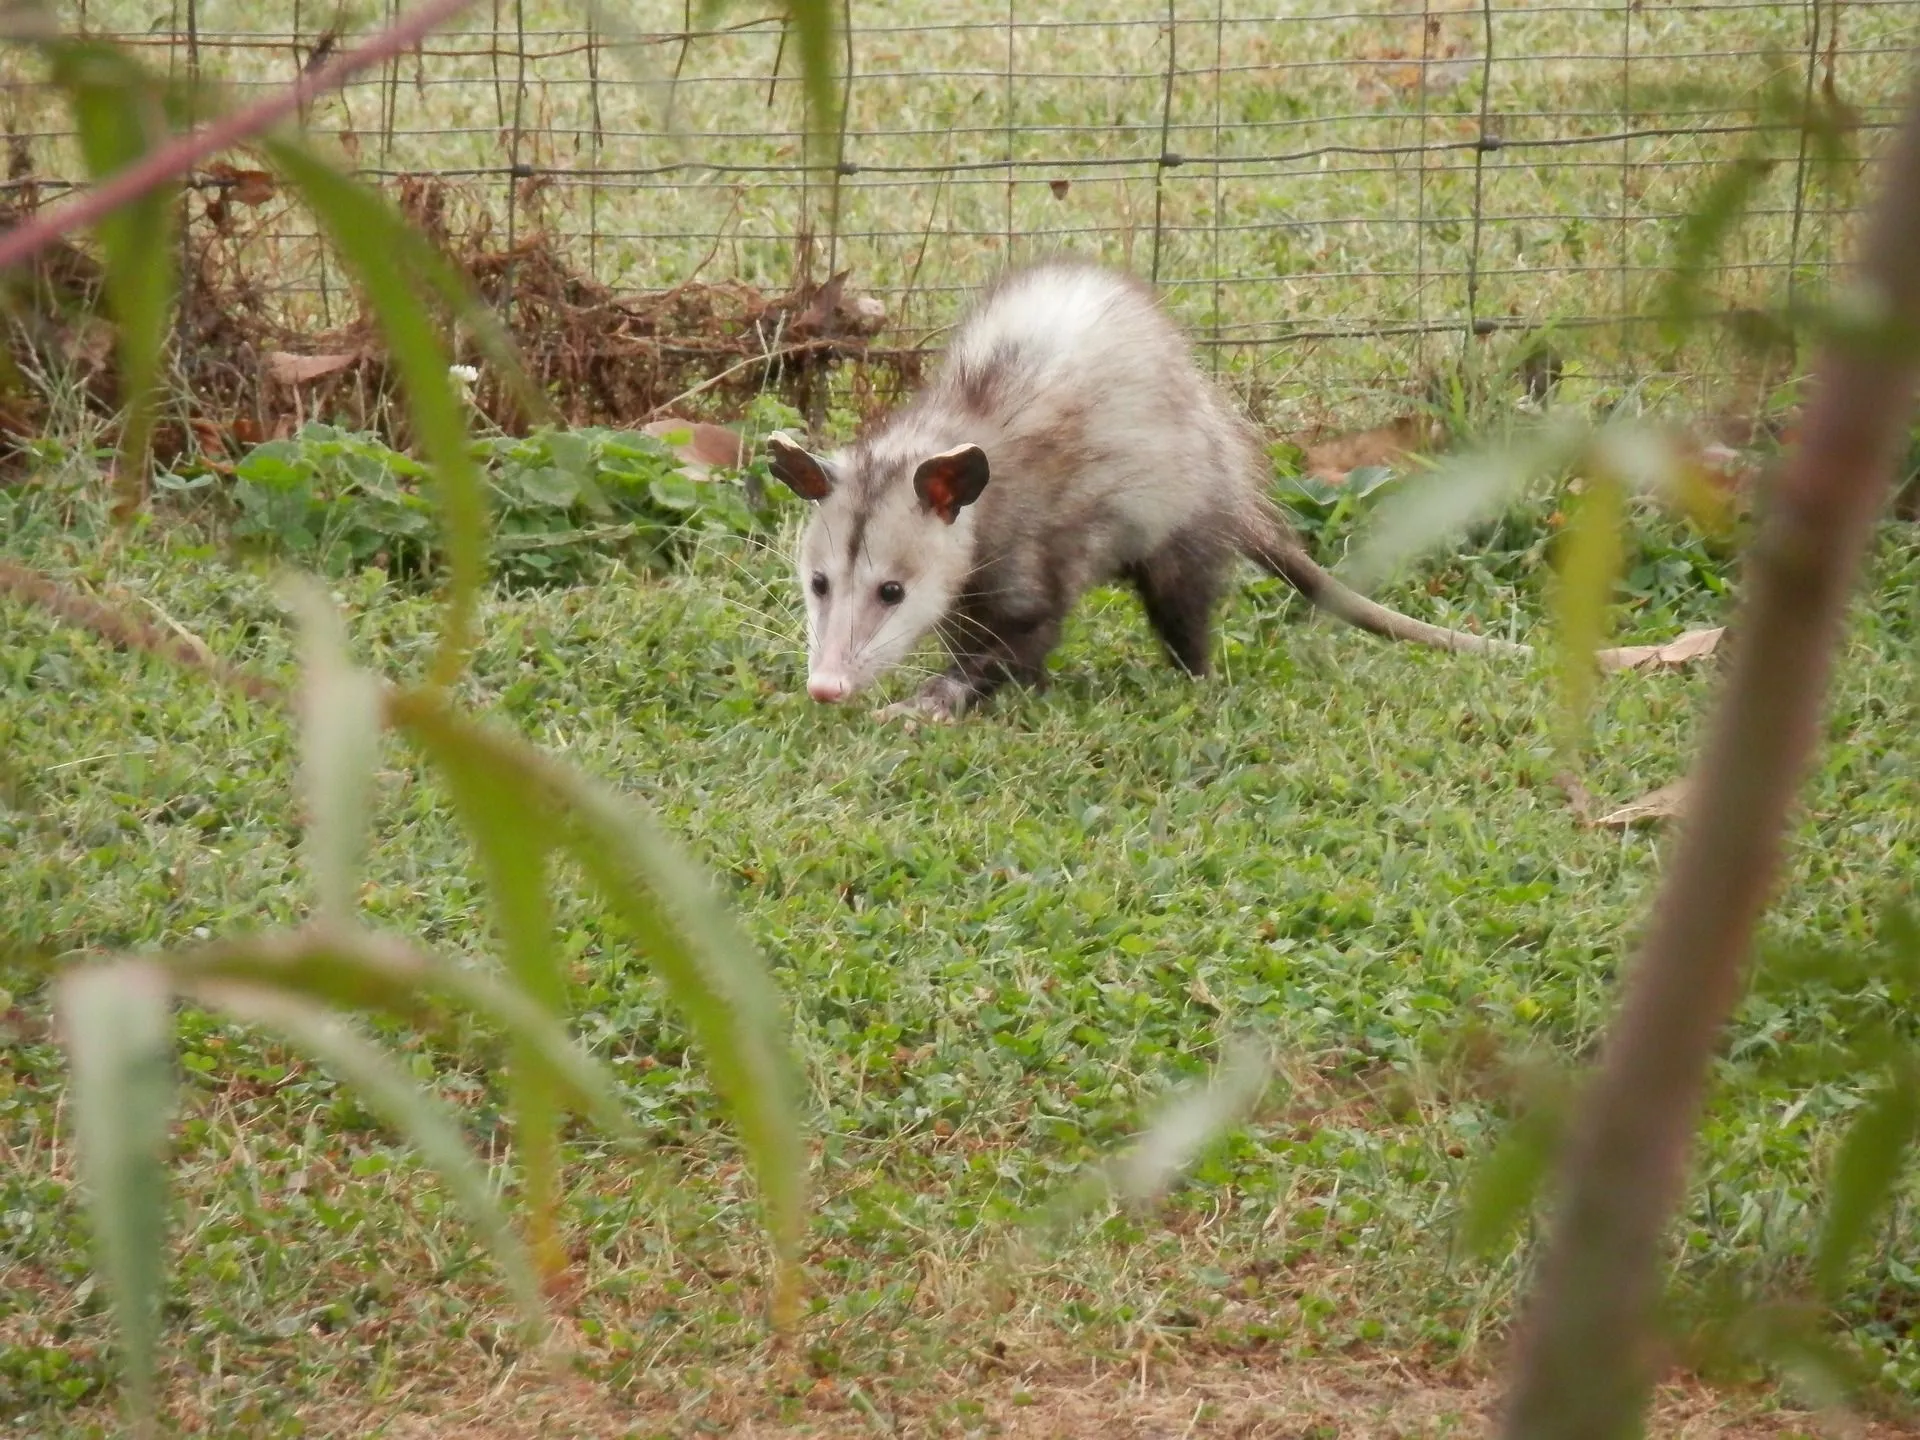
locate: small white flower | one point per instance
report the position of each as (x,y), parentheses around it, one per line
(465,374)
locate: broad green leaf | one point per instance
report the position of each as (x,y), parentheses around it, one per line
(514,835)
(374,241)
(1504,1184)
(344,967)
(706,961)
(1368,478)
(1592,550)
(414,1113)
(118,1026)
(1437,508)
(1189,1122)
(119,117)
(1866,1169)
(340,744)
(674,492)
(545,485)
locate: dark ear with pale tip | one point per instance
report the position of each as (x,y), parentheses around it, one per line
(951,480)
(806,475)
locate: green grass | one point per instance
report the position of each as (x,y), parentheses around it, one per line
(1001,944)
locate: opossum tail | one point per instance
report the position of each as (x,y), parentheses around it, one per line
(1270,543)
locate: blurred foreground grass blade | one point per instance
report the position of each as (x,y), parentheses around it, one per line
(437,276)
(1504,1184)
(371,237)
(118,114)
(1186,1123)
(1866,1169)
(713,973)
(339,745)
(1592,551)
(117,1022)
(815,22)
(1190,1121)
(514,836)
(421,1120)
(1439,507)
(1739,1328)
(344,967)
(1703,231)
(707,962)
(815,25)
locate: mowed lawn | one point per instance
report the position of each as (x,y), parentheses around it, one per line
(1002,945)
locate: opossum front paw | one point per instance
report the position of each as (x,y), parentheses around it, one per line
(939,702)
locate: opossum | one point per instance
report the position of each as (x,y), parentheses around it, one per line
(1067,440)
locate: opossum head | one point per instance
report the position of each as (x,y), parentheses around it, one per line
(884,555)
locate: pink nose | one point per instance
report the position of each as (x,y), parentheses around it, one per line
(828,688)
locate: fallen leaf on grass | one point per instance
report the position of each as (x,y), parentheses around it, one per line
(1334,459)
(1662,804)
(1694,645)
(701,445)
(296,369)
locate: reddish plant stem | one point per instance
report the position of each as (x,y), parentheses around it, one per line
(1582,1371)
(83,612)
(181,154)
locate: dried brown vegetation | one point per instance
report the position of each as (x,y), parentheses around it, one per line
(244,372)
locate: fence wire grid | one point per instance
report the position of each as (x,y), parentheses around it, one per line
(1335,201)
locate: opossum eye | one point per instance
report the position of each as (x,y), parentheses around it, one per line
(819,582)
(892,592)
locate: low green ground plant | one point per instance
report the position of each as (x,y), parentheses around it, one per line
(1003,943)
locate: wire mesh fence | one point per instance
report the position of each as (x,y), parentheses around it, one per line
(1338,202)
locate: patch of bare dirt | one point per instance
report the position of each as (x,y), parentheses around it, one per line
(1265,1401)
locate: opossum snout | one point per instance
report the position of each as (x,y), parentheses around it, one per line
(830,689)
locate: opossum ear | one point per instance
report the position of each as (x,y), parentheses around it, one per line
(950,480)
(806,475)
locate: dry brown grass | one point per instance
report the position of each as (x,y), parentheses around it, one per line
(1046,1399)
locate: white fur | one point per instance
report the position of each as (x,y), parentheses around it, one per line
(852,637)
(1086,402)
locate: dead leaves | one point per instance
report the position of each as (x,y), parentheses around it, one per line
(243,187)
(1333,460)
(1681,650)
(1656,805)
(287,369)
(1663,804)
(233,186)
(700,446)
(1668,801)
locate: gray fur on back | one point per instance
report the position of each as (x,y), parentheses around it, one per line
(1103,435)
